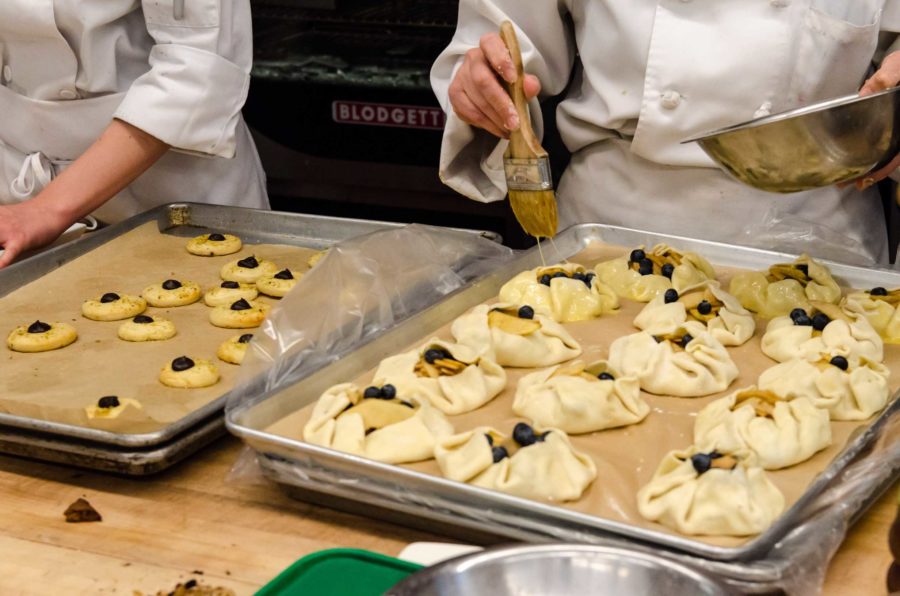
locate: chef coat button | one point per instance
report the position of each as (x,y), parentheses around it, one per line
(670,99)
(68,94)
(7,74)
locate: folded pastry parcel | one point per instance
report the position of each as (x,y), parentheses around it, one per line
(785,286)
(644,274)
(565,293)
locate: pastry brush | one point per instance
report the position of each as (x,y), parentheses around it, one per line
(526,163)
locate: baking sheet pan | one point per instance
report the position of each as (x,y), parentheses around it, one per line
(410,490)
(180,220)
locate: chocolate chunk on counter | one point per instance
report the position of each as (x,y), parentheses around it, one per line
(81,511)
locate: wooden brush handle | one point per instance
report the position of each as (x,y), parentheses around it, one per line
(522,142)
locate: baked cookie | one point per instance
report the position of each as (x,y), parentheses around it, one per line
(40,337)
(279,284)
(314,259)
(146,328)
(113,307)
(186,373)
(229,291)
(248,270)
(214,245)
(234,348)
(241,314)
(171,293)
(111,407)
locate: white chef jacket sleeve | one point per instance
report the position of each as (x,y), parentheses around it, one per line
(191,97)
(471,159)
(890,16)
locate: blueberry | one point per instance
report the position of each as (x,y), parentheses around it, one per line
(637,255)
(645,267)
(388,392)
(142,319)
(840,362)
(498,453)
(109,401)
(245,338)
(38,327)
(545,279)
(109,297)
(667,270)
(284,274)
(589,279)
(605,376)
(559,274)
(433,354)
(797,313)
(248,263)
(704,308)
(579,276)
(182,363)
(819,321)
(803,321)
(490,439)
(523,434)
(879,291)
(701,462)
(231,285)
(240,305)
(371,392)
(686,339)
(171,284)
(670,296)
(216,237)
(526,312)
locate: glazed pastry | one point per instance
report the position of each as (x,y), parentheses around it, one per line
(113,307)
(720,312)
(784,287)
(823,329)
(279,284)
(713,494)
(535,464)
(40,337)
(881,307)
(514,336)
(215,244)
(450,376)
(228,292)
(240,314)
(111,407)
(580,399)
(146,328)
(779,431)
(689,362)
(644,274)
(189,373)
(565,293)
(234,348)
(248,270)
(379,423)
(848,391)
(171,293)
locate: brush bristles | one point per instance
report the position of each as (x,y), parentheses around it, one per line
(535,211)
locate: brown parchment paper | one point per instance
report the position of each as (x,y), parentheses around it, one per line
(627,457)
(57,385)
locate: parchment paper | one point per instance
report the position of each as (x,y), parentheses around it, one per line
(627,457)
(57,385)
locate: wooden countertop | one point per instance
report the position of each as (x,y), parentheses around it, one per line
(191,522)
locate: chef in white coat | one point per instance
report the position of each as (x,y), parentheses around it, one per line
(650,73)
(112,107)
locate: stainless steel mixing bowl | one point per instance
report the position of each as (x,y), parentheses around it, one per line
(558,569)
(810,147)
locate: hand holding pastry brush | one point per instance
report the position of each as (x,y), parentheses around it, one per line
(525,161)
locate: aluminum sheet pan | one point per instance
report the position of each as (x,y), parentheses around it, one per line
(432,497)
(185,220)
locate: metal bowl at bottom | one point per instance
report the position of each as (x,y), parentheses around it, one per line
(561,569)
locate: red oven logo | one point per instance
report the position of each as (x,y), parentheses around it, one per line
(387,114)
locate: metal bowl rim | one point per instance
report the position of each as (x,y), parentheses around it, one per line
(795,113)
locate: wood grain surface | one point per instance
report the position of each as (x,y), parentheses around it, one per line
(191,522)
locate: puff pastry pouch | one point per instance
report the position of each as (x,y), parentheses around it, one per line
(549,469)
(577,401)
(718,311)
(528,343)
(784,287)
(778,432)
(853,394)
(718,502)
(669,367)
(852,337)
(881,310)
(409,440)
(450,376)
(625,276)
(565,292)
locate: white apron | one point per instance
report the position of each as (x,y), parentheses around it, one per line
(39,136)
(654,72)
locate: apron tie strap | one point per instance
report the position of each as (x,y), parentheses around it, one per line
(35,174)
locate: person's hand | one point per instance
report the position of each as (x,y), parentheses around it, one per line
(884,78)
(25,226)
(477,94)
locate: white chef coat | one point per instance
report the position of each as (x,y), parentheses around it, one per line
(177,69)
(650,73)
